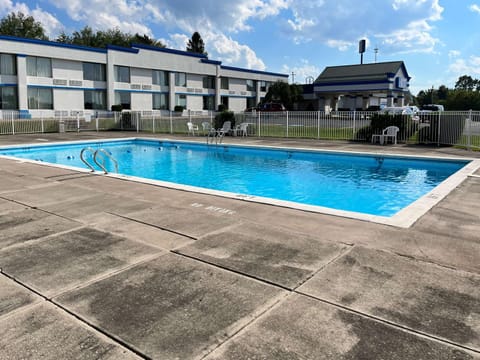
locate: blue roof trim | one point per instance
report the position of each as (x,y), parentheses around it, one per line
(214,62)
(58,87)
(169,51)
(193,94)
(52,43)
(121,48)
(335,83)
(355,90)
(141,91)
(252,71)
(7,84)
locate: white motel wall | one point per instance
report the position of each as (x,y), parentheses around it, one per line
(38,76)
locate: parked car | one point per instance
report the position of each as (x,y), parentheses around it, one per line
(401,110)
(431,108)
(271,106)
(397,110)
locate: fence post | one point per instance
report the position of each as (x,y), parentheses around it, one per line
(171,123)
(354,118)
(438,131)
(137,120)
(43,126)
(153,122)
(318,124)
(258,124)
(78,121)
(469,135)
(13,125)
(287,124)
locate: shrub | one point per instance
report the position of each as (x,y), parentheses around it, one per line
(222,108)
(220,118)
(451,127)
(178,108)
(381,121)
(117,108)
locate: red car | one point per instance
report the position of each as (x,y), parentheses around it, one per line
(271,106)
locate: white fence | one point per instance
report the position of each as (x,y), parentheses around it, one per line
(459,128)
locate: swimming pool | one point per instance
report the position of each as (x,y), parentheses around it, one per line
(373,185)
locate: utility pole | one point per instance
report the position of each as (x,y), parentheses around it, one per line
(293,77)
(376,52)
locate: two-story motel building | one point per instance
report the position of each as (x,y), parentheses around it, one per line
(37,75)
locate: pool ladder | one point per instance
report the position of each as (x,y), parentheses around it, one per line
(215,136)
(96,159)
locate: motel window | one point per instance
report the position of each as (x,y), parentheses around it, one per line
(123,98)
(251,85)
(40,98)
(7,64)
(160,77)
(224,83)
(94,72)
(208,103)
(180,79)
(160,101)
(122,74)
(39,66)
(209,82)
(181,100)
(8,98)
(95,99)
(251,102)
(264,85)
(224,101)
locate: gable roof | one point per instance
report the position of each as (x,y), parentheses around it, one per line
(360,72)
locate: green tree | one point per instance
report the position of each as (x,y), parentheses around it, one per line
(196,44)
(146,40)
(287,94)
(18,24)
(463,100)
(442,92)
(466,82)
(101,39)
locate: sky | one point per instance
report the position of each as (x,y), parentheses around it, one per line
(438,40)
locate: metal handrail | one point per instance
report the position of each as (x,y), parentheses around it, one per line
(105,154)
(85,161)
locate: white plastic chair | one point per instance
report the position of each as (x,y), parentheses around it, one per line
(390,132)
(192,128)
(206,127)
(241,129)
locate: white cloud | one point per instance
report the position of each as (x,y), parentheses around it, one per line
(213,19)
(232,52)
(469,66)
(303,72)
(399,25)
(475,8)
(49,22)
(454,54)
(340,45)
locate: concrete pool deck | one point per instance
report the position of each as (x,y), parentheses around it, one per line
(94,267)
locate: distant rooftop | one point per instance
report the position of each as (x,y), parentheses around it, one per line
(360,72)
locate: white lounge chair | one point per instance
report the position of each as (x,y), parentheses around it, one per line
(192,128)
(225,129)
(240,130)
(389,132)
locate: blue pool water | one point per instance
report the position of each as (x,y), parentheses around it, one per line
(366,184)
